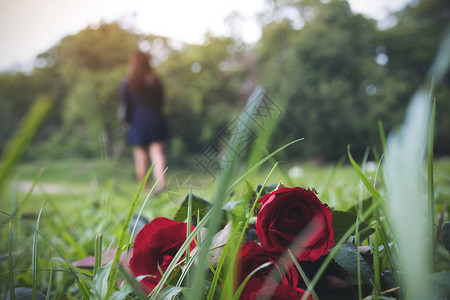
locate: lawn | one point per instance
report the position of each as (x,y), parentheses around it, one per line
(82,198)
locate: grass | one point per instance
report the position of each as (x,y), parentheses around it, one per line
(87,183)
(72,219)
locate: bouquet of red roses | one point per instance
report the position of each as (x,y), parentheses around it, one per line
(294,234)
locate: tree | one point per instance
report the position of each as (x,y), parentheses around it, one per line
(204,91)
(91,65)
(328,75)
(411,46)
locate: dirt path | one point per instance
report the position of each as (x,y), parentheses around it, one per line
(43,188)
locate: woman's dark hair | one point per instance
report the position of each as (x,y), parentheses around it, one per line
(140,72)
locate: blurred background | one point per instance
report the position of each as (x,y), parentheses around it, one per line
(336,68)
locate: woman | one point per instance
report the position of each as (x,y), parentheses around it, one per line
(141,109)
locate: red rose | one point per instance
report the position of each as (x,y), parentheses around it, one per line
(154,248)
(251,256)
(257,289)
(283,216)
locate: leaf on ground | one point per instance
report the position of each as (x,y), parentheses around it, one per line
(342,221)
(442,281)
(347,257)
(170,292)
(365,204)
(200,207)
(267,189)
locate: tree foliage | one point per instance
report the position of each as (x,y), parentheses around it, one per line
(335,71)
(340,74)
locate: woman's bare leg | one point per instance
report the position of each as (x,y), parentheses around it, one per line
(156,152)
(140,162)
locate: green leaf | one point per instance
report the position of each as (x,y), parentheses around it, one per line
(155,293)
(446,235)
(442,284)
(230,206)
(131,281)
(237,208)
(122,293)
(342,221)
(10,262)
(115,262)
(242,285)
(441,278)
(34,254)
(200,207)
(101,280)
(347,258)
(267,189)
(366,203)
(170,292)
(250,191)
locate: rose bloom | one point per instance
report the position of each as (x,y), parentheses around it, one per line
(251,256)
(154,248)
(256,289)
(283,216)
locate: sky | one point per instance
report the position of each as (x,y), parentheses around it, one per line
(30,27)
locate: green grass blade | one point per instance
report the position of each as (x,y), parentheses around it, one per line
(189,221)
(77,279)
(50,282)
(221,191)
(34,255)
(97,253)
(186,270)
(235,245)
(387,249)
(430,189)
(11,263)
(382,135)
(363,177)
(179,254)
(29,193)
(218,271)
(145,201)
(307,235)
(244,282)
(78,273)
(374,241)
(341,241)
(115,262)
(27,129)
(302,274)
(408,208)
(360,198)
(263,136)
(326,183)
(230,281)
(14,201)
(286,178)
(69,266)
(358,262)
(256,166)
(252,210)
(133,282)
(378,171)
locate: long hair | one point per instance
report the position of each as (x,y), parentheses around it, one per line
(140,72)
